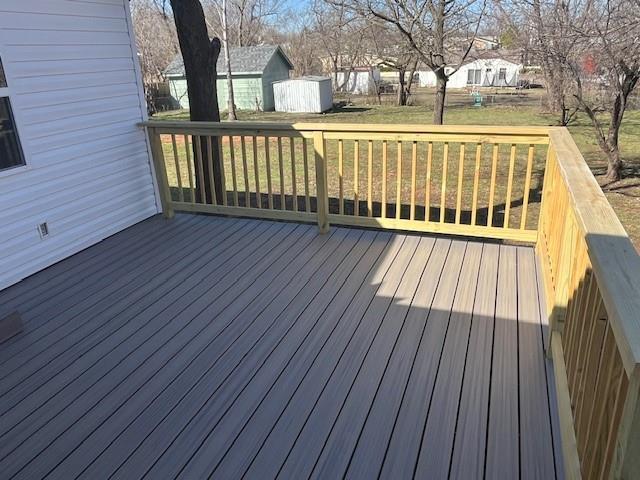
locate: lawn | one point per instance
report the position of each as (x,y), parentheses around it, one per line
(624,195)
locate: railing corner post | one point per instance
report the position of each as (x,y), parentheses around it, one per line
(322,193)
(160,171)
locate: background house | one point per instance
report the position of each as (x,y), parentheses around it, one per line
(482,72)
(253,69)
(74,164)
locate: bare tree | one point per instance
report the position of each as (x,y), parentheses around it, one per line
(216,15)
(155,37)
(342,37)
(392,51)
(299,41)
(607,71)
(441,32)
(590,50)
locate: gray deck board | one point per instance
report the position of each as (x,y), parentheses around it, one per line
(217,347)
(503,448)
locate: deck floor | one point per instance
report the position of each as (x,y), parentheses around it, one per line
(216,347)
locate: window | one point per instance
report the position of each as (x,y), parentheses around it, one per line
(474,76)
(10,151)
(502,75)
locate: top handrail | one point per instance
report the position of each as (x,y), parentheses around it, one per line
(353,127)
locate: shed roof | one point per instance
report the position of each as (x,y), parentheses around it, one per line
(244,60)
(307,78)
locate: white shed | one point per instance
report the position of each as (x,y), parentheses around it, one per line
(484,72)
(360,80)
(312,94)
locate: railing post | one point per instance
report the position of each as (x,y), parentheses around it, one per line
(322,192)
(160,171)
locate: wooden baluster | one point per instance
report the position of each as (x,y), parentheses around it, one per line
(586,399)
(234,177)
(527,189)
(267,156)
(341,177)
(283,198)
(356,179)
(459,193)
(476,183)
(294,186)
(306,175)
(384,179)
(414,164)
(212,183)
(192,188)
(177,164)
(620,394)
(427,189)
(492,186)
(223,176)
(399,182)
(370,179)
(443,191)
(201,184)
(245,172)
(321,182)
(256,172)
(507,206)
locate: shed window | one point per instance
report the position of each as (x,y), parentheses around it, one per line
(10,151)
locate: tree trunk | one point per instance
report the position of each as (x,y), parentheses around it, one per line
(200,56)
(402,92)
(441,91)
(614,164)
(231,100)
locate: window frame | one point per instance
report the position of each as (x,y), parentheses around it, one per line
(6,92)
(502,74)
(475,73)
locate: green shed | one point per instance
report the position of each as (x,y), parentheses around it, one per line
(253,71)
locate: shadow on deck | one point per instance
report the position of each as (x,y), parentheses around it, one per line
(207,346)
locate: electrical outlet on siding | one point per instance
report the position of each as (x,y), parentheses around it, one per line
(43,230)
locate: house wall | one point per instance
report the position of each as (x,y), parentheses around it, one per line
(277,69)
(488,79)
(76,94)
(247,92)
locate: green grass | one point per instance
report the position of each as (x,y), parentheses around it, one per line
(624,196)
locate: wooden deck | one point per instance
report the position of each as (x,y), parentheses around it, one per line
(215,347)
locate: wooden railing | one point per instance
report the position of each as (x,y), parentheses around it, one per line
(510,183)
(477,181)
(592,279)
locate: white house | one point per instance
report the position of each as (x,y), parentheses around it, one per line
(74,166)
(359,81)
(484,72)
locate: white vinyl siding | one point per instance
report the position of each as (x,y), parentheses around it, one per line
(77,100)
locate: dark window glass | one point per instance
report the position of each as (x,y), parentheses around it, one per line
(3,79)
(502,74)
(10,151)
